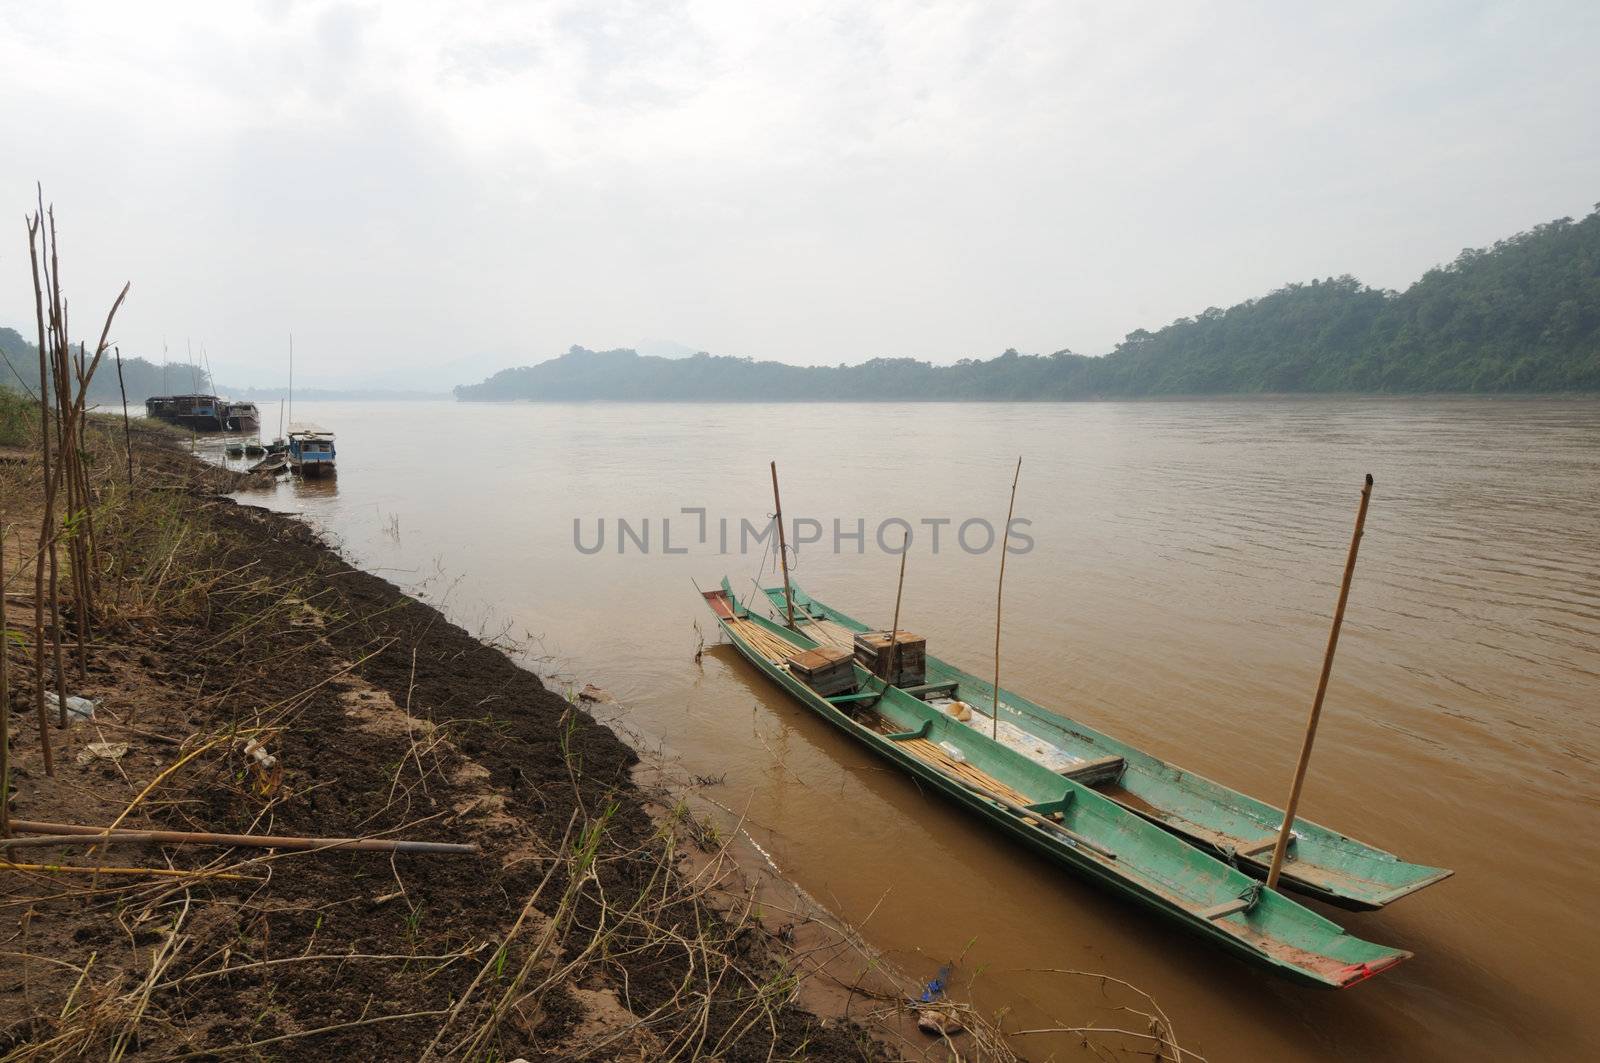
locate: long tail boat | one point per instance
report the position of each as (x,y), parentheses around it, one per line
(1061,817)
(1240,830)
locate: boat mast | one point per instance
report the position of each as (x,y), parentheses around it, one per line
(1284,831)
(999,598)
(783,554)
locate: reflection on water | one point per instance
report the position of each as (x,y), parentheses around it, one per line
(1187,560)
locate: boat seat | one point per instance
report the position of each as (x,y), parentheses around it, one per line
(1242,903)
(1261,846)
(906,736)
(1238,904)
(1096,772)
(1054,809)
(930,690)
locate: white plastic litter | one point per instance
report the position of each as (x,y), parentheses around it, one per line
(77,708)
(102,751)
(953,751)
(259,753)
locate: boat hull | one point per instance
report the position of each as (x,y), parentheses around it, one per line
(1323,863)
(1327,957)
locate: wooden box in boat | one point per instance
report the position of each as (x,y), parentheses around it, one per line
(910,658)
(825,669)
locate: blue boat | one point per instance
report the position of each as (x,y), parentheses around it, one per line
(311,452)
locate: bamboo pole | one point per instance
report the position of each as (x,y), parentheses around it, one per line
(157,872)
(78,544)
(999,599)
(5,701)
(127,427)
(894,630)
(63,467)
(35,224)
(257,841)
(783,550)
(92,550)
(1284,831)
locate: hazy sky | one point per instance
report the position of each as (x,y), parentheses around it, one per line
(484,184)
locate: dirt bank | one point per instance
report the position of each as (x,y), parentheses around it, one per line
(252,682)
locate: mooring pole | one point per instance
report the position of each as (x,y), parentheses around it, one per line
(894,631)
(783,550)
(999,598)
(1284,831)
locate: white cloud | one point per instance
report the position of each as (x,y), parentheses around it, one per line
(407,183)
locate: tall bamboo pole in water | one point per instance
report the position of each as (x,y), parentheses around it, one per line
(783,553)
(999,598)
(894,631)
(1322,689)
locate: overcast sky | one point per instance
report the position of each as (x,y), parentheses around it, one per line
(475,185)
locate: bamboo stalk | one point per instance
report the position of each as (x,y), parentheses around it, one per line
(1284,831)
(127,428)
(999,599)
(296,843)
(783,551)
(63,467)
(34,225)
(77,543)
(5,703)
(157,872)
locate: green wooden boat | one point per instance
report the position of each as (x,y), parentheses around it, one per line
(1065,820)
(1321,863)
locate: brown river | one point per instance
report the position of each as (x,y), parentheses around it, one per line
(1184,567)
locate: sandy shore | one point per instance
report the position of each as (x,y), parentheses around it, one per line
(250,681)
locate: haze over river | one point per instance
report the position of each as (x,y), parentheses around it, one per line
(1185,567)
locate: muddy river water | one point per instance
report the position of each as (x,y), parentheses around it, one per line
(1184,564)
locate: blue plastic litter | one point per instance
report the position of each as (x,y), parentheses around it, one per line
(935,988)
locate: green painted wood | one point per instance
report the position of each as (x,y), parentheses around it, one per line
(1321,863)
(1098,838)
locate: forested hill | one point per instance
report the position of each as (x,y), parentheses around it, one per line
(1523,315)
(143,378)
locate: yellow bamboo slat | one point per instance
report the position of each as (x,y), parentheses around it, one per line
(930,752)
(773,647)
(827,631)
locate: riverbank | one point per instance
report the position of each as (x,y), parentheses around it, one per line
(248,680)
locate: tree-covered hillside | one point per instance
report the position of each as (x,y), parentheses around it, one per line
(20,371)
(1523,315)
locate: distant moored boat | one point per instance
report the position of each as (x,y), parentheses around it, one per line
(311,451)
(204,413)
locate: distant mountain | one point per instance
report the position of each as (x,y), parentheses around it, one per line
(1523,315)
(19,370)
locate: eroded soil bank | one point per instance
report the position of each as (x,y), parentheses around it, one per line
(250,681)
